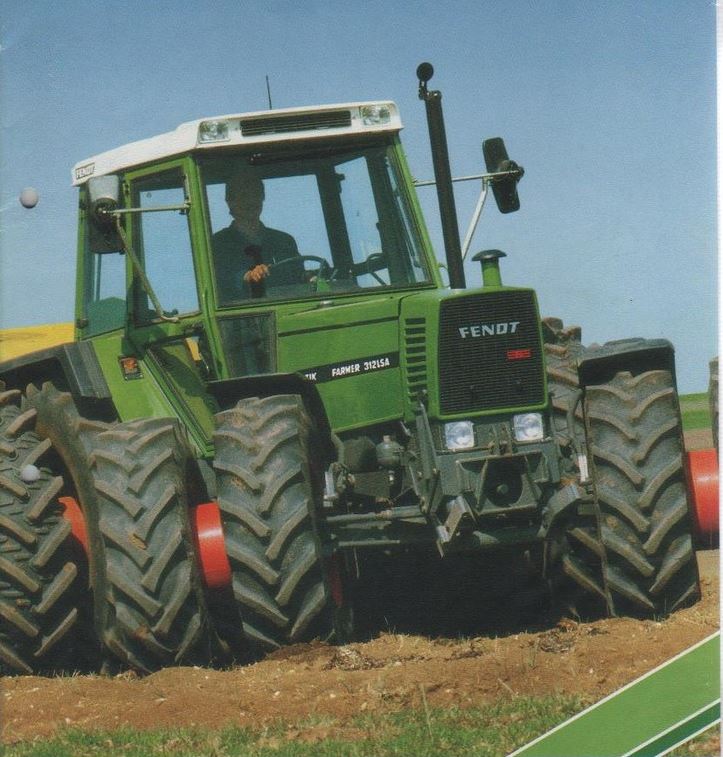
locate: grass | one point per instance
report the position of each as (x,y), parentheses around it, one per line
(495,730)
(490,732)
(695,411)
(707,744)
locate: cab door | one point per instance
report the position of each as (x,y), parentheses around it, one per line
(169,330)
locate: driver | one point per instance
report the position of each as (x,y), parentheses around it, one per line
(246,252)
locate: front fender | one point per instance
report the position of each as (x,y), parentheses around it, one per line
(599,363)
(229,391)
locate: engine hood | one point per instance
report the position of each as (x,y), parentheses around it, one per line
(350,351)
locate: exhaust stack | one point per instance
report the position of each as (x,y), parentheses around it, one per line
(490,262)
(442,177)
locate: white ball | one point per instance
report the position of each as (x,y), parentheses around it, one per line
(29,474)
(29,197)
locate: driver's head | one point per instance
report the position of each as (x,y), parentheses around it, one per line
(245,196)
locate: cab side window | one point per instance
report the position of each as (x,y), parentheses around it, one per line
(162,241)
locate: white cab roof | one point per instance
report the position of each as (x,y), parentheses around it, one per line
(260,127)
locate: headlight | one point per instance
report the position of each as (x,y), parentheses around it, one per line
(213,131)
(459,435)
(374,115)
(528,427)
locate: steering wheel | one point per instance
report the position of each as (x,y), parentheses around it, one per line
(325,270)
(373,263)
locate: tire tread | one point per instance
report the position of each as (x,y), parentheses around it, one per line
(635,430)
(266,498)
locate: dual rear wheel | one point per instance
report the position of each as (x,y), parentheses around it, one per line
(132,483)
(150,610)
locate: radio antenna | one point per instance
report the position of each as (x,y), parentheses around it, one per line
(268,92)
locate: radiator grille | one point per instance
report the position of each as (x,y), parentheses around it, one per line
(335,119)
(415,351)
(487,371)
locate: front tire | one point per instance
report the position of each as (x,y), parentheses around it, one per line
(574,553)
(563,349)
(267,490)
(636,443)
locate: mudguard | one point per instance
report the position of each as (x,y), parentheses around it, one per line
(229,391)
(598,363)
(74,366)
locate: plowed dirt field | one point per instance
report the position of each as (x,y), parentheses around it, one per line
(392,671)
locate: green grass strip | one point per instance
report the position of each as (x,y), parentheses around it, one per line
(488,731)
(695,411)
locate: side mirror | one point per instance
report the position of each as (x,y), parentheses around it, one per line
(103,197)
(504,187)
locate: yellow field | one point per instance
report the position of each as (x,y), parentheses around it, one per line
(15,342)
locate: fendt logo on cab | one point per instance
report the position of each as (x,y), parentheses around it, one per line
(489,329)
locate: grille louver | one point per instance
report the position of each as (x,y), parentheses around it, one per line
(415,350)
(490,371)
(335,119)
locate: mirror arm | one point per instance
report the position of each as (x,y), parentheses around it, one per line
(486,177)
(475,218)
(158,209)
(487,180)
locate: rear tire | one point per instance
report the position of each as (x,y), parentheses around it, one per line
(635,436)
(151,610)
(39,591)
(71,438)
(563,349)
(267,489)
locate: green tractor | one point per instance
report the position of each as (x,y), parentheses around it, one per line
(253,412)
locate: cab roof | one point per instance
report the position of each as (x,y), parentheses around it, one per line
(235,130)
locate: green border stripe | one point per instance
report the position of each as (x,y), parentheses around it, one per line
(679,733)
(667,705)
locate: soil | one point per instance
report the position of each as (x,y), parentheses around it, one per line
(391,671)
(386,673)
(699,438)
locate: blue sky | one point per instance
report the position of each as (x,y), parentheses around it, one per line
(610,107)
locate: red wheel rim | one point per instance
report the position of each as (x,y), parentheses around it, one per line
(74,515)
(703,486)
(210,547)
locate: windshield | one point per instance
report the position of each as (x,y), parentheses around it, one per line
(330,222)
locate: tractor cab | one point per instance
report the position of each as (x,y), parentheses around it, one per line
(321,197)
